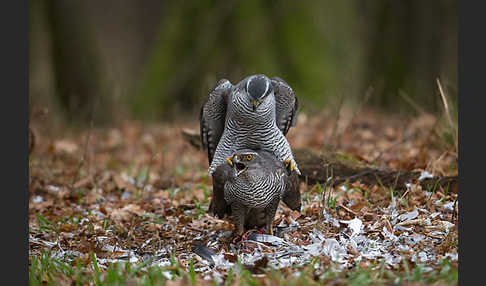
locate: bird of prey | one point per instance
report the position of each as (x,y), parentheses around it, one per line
(256,113)
(249,187)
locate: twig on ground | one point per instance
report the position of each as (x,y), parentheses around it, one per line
(348,209)
(407,193)
(404,194)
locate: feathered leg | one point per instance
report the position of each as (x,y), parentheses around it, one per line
(270,214)
(239,213)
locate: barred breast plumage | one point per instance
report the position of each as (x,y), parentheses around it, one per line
(255,188)
(250,186)
(258,113)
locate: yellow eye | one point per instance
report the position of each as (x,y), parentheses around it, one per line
(249,157)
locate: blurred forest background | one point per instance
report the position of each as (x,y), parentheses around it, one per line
(156,60)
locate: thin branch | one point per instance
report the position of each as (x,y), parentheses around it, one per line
(348,209)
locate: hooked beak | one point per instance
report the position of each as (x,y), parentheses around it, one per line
(255,104)
(238,166)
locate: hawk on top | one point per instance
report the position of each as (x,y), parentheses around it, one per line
(254,114)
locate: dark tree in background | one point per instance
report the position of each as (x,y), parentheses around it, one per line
(86,55)
(203,41)
(410,44)
(75,63)
(156,59)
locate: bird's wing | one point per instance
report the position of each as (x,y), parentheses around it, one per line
(213,115)
(286,105)
(291,195)
(218,206)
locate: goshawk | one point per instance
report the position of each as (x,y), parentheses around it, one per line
(249,187)
(255,114)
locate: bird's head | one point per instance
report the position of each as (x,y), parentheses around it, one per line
(240,162)
(258,87)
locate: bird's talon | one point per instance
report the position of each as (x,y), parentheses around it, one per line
(289,164)
(229,160)
(240,238)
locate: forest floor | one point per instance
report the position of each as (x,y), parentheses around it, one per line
(127,205)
